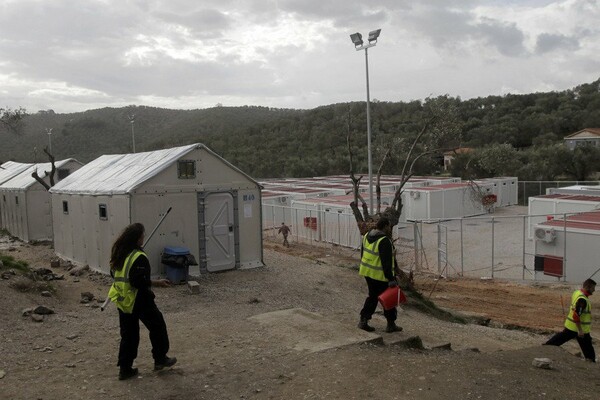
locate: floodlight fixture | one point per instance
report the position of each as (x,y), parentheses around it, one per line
(373,35)
(356,39)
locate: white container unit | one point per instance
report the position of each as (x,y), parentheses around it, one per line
(546,206)
(276,208)
(453,200)
(307,219)
(567,250)
(576,189)
(505,189)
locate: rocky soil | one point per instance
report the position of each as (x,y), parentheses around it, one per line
(71,353)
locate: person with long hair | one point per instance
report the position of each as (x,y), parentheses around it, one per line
(132,293)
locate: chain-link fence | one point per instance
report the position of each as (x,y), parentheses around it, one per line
(496,245)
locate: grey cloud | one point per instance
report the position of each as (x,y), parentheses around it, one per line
(208,23)
(547,42)
(507,38)
(455,29)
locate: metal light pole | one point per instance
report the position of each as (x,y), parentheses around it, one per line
(359,45)
(49,132)
(132,121)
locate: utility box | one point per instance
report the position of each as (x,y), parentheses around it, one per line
(177,261)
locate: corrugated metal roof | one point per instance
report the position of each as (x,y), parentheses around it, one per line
(10,169)
(24,179)
(121,173)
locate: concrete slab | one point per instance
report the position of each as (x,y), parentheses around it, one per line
(302,330)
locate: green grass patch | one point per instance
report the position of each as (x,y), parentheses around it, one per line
(10,262)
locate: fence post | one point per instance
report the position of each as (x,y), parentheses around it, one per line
(565,248)
(462,258)
(439,239)
(416,242)
(524,217)
(493,227)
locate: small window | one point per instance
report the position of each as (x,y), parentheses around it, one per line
(65,207)
(4,198)
(102,211)
(16,200)
(62,173)
(186,169)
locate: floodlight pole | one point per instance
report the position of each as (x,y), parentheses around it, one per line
(132,121)
(49,132)
(369,155)
(358,44)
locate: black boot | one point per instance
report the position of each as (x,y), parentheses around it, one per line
(392,327)
(364,325)
(126,373)
(167,362)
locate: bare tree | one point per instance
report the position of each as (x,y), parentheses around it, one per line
(50,174)
(440,131)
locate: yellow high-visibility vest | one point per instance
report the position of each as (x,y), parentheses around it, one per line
(370,263)
(121,292)
(585,319)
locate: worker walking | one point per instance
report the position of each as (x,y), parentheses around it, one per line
(377,265)
(579,321)
(285,231)
(131,291)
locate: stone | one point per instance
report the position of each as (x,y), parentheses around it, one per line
(193,287)
(413,342)
(87,296)
(46,293)
(43,310)
(55,263)
(544,363)
(445,346)
(2,374)
(78,271)
(27,312)
(73,336)
(37,318)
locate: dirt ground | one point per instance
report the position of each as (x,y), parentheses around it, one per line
(225,355)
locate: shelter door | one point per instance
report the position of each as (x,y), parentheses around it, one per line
(219,235)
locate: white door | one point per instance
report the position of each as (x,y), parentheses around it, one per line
(219,234)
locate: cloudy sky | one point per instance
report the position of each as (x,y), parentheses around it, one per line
(74,55)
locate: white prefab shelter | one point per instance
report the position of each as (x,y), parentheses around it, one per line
(7,171)
(576,189)
(26,210)
(215,208)
(568,249)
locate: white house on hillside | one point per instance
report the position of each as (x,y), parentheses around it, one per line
(585,137)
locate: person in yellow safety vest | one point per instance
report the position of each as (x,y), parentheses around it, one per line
(579,321)
(378,265)
(131,292)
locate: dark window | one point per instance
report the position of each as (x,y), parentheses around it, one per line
(62,173)
(4,198)
(186,169)
(65,207)
(102,211)
(17,200)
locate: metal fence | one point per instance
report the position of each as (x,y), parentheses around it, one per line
(495,245)
(528,189)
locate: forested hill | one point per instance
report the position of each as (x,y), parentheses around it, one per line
(268,142)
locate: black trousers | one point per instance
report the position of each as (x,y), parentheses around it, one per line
(147,312)
(375,289)
(585,342)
